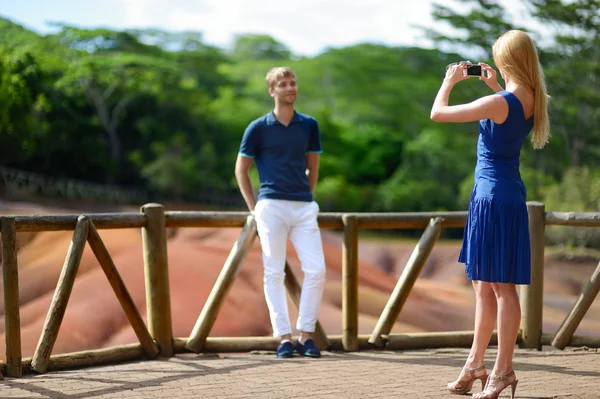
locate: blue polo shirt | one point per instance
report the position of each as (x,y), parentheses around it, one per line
(280,155)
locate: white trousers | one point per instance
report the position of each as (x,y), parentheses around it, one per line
(275,221)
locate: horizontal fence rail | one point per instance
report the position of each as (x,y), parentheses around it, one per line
(580,219)
(106,221)
(327,220)
(156,339)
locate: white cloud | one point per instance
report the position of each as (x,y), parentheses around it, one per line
(306,26)
(138,12)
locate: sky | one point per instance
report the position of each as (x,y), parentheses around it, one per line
(307,27)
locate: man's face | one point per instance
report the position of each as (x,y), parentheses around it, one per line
(285,90)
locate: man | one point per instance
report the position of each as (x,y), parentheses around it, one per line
(285,145)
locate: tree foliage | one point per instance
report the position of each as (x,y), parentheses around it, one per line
(166,111)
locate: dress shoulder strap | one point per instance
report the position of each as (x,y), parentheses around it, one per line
(514,104)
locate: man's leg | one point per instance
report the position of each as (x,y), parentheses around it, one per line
(306,237)
(272,221)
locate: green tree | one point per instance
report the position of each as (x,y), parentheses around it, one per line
(477,25)
(21,99)
(259,47)
(112,69)
(573,73)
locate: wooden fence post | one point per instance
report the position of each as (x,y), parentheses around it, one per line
(532,296)
(225,280)
(41,357)
(406,282)
(580,307)
(156,270)
(121,292)
(350,283)
(12,319)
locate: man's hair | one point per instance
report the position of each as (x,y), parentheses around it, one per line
(276,74)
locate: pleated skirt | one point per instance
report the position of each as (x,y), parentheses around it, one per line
(496,245)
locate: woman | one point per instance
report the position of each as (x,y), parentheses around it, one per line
(496,240)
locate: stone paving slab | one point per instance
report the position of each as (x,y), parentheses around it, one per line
(369,374)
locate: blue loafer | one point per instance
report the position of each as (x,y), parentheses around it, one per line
(308,348)
(285,350)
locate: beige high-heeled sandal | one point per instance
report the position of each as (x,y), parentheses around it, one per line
(461,387)
(493,394)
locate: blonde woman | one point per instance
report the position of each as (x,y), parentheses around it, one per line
(495,247)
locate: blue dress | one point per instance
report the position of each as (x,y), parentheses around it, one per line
(496,238)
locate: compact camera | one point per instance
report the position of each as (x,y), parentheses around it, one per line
(472,70)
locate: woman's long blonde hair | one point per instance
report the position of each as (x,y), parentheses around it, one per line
(515,53)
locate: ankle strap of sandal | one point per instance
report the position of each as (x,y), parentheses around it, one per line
(502,377)
(473,371)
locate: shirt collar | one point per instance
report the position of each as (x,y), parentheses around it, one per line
(271,120)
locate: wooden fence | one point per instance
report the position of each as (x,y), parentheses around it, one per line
(156,340)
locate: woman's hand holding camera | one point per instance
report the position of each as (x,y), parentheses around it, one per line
(456,72)
(489,76)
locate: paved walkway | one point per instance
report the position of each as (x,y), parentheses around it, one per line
(407,374)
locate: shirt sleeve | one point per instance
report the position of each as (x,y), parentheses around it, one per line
(314,142)
(250,141)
